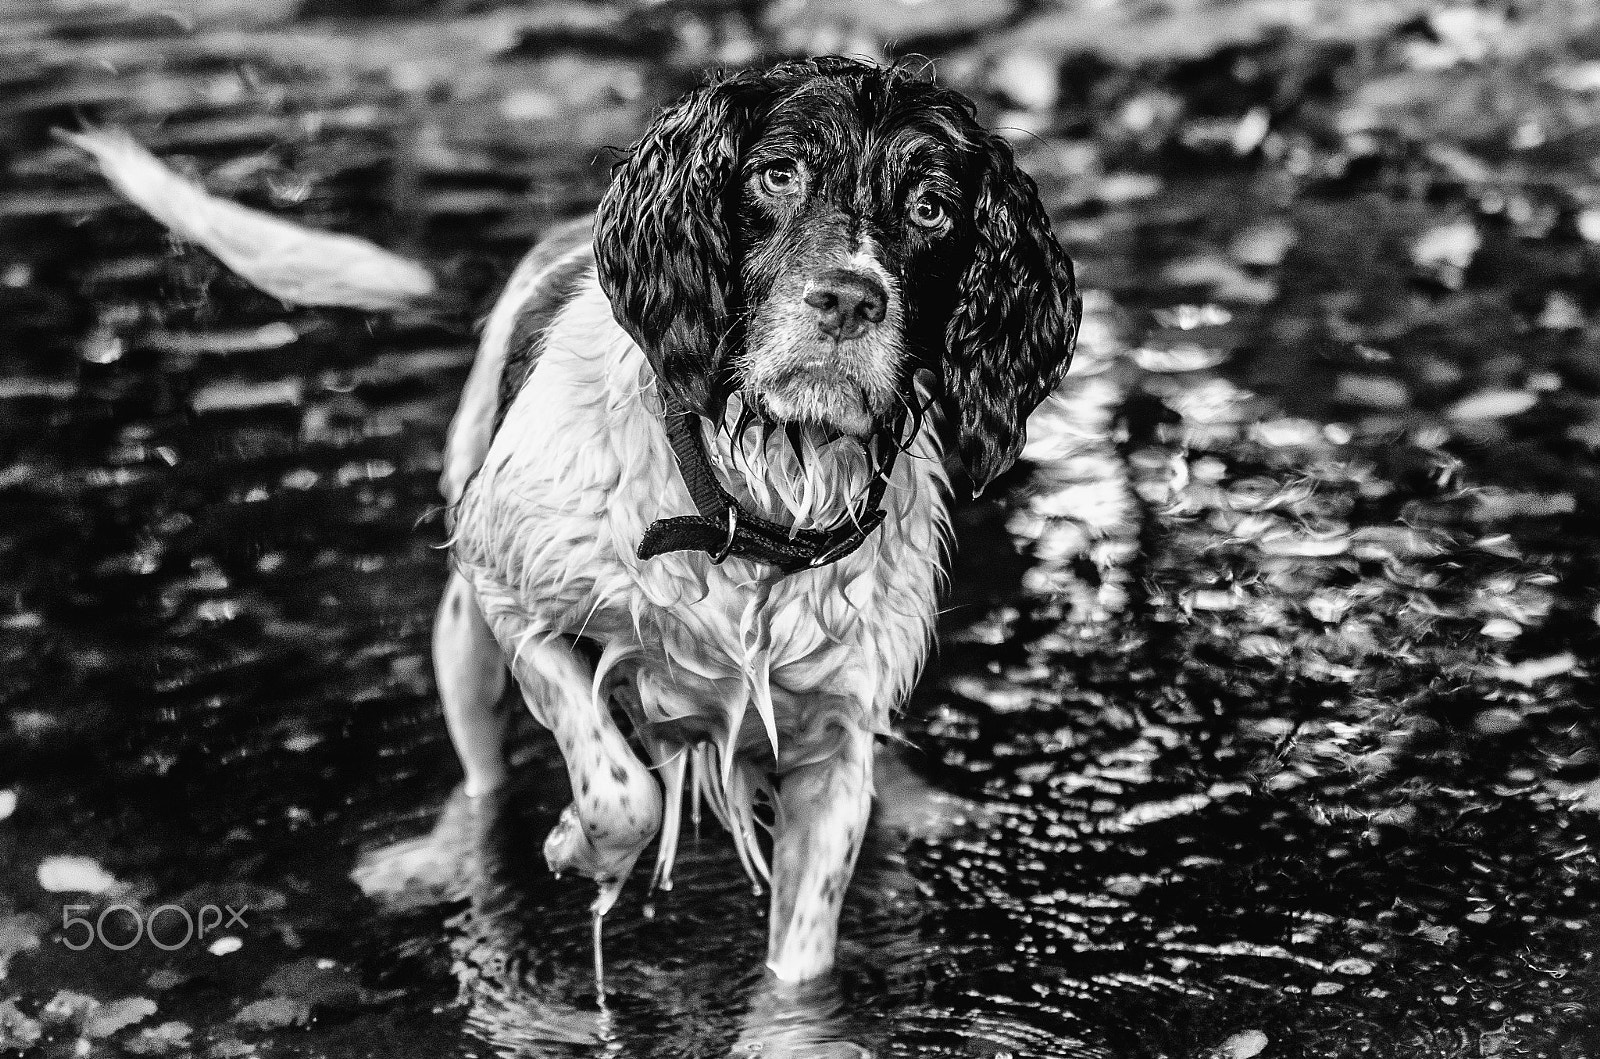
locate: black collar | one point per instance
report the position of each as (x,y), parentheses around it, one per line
(724,528)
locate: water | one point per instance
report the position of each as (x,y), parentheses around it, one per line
(1263,706)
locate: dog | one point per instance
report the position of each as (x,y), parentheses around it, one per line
(696,482)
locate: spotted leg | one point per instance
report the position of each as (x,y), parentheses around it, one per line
(471,674)
(823,810)
(616,807)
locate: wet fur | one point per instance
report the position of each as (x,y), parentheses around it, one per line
(739,686)
(713,664)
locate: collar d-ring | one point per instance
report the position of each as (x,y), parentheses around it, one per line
(733,531)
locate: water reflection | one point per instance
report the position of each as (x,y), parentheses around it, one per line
(512,945)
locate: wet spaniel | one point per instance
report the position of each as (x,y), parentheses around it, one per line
(696,475)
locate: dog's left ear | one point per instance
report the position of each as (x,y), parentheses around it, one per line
(662,239)
(1010,339)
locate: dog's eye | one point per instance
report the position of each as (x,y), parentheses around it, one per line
(926,213)
(780,179)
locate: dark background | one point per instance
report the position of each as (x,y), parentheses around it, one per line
(1263,720)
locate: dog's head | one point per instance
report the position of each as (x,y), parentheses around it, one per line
(813,235)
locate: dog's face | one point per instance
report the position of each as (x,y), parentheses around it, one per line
(812,236)
(847,225)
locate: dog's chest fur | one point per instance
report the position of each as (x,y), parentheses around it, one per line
(581,465)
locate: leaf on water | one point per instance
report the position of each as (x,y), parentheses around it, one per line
(1251,130)
(1492,404)
(1498,720)
(1536,669)
(1125,885)
(18,1032)
(1579,77)
(1438,935)
(23,386)
(18,934)
(233,394)
(66,874)
(1211,599)
(1226,280)
(1561,313)
(1308,545)
(1491,504)
(1284,432)
(1447,250)
(1460,164)
(8,803)
(275,335)
(1585,797)
(1501,629)
(1154,812)
(997,693)
(1119,188)
(1263,245)
(164,1039)
(1589,224)
(274,1013)
(1245,1045)
(1372,391)
(118,1015)
(1178,357)
(1586,433)
(68,1007)
(817,22)
(315,981)
(299,265)
(1030,79)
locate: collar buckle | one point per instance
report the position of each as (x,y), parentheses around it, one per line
(733,531)
(849,543)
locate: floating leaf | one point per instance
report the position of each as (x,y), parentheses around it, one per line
(1372,391)
(1493,404)
(164,1039)
(274,1013)
(118,1015)
(66,874)
(1178,357)
(1263,245)
(1537,669)
(18,1032)
(1246,1045)
(18,934)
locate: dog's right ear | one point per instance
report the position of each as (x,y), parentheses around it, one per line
(662,240)
(1011,336)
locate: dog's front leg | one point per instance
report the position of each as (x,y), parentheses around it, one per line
(822,816)
(616,802)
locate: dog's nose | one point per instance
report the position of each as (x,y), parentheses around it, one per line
(847,303)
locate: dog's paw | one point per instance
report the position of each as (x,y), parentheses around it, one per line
(572,847)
